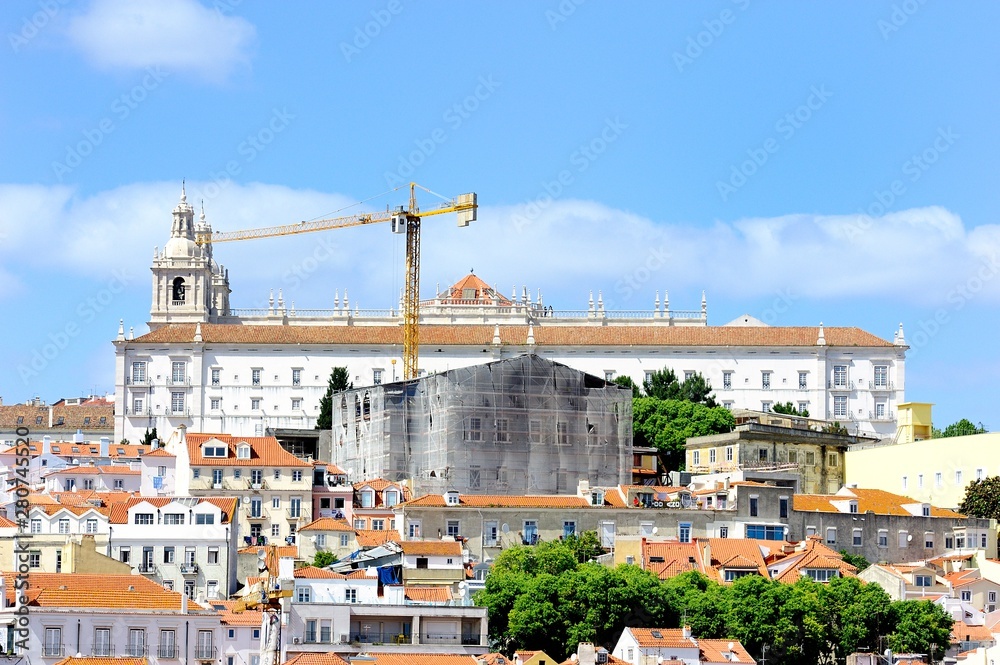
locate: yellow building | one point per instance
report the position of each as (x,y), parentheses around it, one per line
(934,471)
(914,422)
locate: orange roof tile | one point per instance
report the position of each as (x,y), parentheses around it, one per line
(374,538)
(314,573)
(264,451)
(316,659)
(814,555)
(6,523)
(545,335)
(281,550)
(671,558)
(85,591)
(502,501)
(742,553)
(94,660)
(248,617)
(878,501)
(327,524)
(963,632)
(119,511)
(413,658)
(717,651)
(114,469)
(428,594)
(431,548)
(159,452)
(668,637)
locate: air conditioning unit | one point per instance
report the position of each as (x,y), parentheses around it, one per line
(217,486)
(295,640)
(344,638)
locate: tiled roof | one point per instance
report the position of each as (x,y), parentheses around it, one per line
(316,659)
(95,660)
(878,501)
(673,558)
(545,335)
(86,417)
(53,508)
(739,553)
(668,637)
(428,594)
(484,294)
(89,497)
(85,591)
(962,578)
(281,550)
(431,548)
(119,511)
(314,573)
(114,469)
(815,555)
(963,632)
(159,452)
(65,450)
(717,651)
(264,451)
(247,617)
(327,524)
(413,658)
(501,501)
(374,538)
(6,523)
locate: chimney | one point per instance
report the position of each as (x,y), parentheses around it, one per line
(725,484)
(46,441)
(105,444)
(78,436)
(184,603)
(586,654)
(583,487)
(154,444)
(686,632)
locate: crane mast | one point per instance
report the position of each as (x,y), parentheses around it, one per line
(403,220)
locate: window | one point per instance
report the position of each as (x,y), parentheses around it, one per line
(991,596)
(883,538)
(684,532)
(257,476)
(275,530)
(475,431)
(173,518)
(501,427)
(765,380)
(256,506)
(139,371)
(881,376)
(490,531)
(255,377)
(923,580)
(125,554)
(204,518)
(53,643)
(216,379)
(178,372)
(296,377)
(609,375)
(379,525)
(36,525)
(535,431)
(102,642)
(276,502)
(803,380)
(413,528)
(783,507)
(452,528)
(296,404)
(967,596)
(753,506)
(929,540)
(530,532)
(840,406)
(177,402)
(905,482)
(344,540)
(904,539)
(475,478)
(793,457)
(711,456)
(303,594)
(168,554)
(831,535)
(136,642)
(727,380)
(980,474)
(733,575)
(143,518)
(390,498)
(205,650)
(359,523)
(34,559)
(856,538)
(832,459)
(137,405)
(351,595)
(296,476)
(880,410)
(320,540)
(925,510)
(215,451)
(295,506)
(255,404)
(920,480)
(765,407)
(569,528)
(820,574)
(811,459)
(840,376)
(765,532)
(723,532)
(696,458)
(91,525)
(938,479)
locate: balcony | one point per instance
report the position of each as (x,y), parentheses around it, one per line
(310,637)
(147,568)
(103,651)
(135,651)
(189,569)
(53,650)
(205,652)
(146,411)
(840,386)
(294,516)
(179,413)
(137,381)
(886,417)
(254,514)
(881,386)
(380,637)
(260,484)
(179,381)
(168,651)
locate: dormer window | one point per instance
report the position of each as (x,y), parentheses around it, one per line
(597,498)
(853,506)
(926,510)
(451,498)
(214,451)
(367,498)
(243,451)
(391,497)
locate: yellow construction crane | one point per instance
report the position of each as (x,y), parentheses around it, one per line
(403,220)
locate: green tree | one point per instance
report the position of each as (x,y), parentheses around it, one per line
(703,602)
(663,384)
(789,409)
(667,423)
(625,381)
(963,427)
(982,498)
(585,547)
(919,626)
(856,560)
(338,383)
(855,614)
(147,438)
(324,559)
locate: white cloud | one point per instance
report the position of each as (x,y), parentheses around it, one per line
(181,35)
(917,256)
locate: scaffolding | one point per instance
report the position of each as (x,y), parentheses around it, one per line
(523,425)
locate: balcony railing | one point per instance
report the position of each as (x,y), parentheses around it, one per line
(147,568)
(53,650)
(310,637)
(881,385)
(132,381)
(145,411)
(380,637)
(205,653)
(840,385)
(135,651)
(189,569)
(256,485)
(301,514)
(179,413)
(252,514)
(178,381)
(169,651)
(886,417)
(103,650)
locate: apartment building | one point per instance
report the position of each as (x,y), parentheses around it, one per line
(111,477)
(327,535)
(638,646)
(183,543)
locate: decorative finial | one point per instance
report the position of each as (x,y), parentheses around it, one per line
(531,335)
(496,334)
(202,218)
(197,332)
(184,196)
(121,330)
(821,340)
(131,333)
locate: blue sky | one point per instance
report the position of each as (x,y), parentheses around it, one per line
(804,162)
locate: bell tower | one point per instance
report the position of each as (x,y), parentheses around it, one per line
(188,286)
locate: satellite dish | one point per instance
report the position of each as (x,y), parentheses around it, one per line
(909,538)
(261,555)
(655,529)
(505,528)
(462,585)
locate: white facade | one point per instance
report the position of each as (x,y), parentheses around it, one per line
(116,477)
(243,371)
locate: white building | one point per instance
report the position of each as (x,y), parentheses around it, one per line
(182,543)
(111,477)
(216,369)
(639,646)
(112,616)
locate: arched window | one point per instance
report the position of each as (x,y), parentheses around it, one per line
(178,289)
(357,406)
(368,407)
(343,410)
